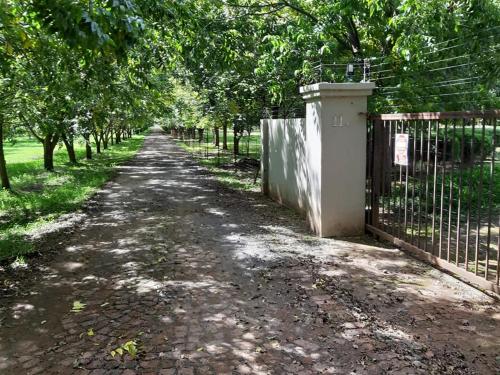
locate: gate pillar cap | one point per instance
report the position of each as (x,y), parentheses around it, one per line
(327,89)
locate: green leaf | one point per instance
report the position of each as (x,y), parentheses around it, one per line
(78,306)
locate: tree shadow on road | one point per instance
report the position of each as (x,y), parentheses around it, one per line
(199,277)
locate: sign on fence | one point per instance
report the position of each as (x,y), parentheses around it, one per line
(401,149)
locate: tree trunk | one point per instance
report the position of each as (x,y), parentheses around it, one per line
(118,137)
(97,140)
(4,177)
(200,135)
(88,148)
(224,136)
(236,143)
(49,144)
(105,140)
(216,140)
(70,148)
(88,151)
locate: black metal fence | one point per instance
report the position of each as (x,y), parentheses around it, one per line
(433,187)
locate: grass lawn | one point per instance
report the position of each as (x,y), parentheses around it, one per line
(213,158)
(40,197)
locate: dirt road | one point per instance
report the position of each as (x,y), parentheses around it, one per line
(184,276)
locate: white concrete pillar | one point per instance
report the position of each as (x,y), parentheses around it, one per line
(336,142)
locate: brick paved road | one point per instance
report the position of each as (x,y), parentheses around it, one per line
(210,281)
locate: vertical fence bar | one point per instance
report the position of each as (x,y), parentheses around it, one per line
(393,180)
(479,193)
(434,197)
(419,179)
(377,145)
(450,202)
(427,170)
(412,220)
(490,194)
(459,205)
(470,186)
(400,195)
(384,171)
(406,169)
(443,177)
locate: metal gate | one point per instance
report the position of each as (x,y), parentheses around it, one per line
(433,188)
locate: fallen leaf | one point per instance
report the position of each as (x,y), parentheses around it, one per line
(78,306)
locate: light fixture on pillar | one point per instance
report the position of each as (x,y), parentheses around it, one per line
(366,70)
(349,72)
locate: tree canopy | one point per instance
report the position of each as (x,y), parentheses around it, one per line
(95,69)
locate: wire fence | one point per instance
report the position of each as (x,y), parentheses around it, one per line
(209,144)
(456,74)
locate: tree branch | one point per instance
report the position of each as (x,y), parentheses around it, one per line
(300,10)
(26,124)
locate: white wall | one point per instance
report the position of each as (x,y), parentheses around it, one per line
(317,165)
(286,174)
(289,152)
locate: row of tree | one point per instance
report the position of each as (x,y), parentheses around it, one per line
(96,68)
(75,70)
(242,57)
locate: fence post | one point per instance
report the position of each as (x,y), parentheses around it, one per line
(336,162)
(264,155)
(377,170)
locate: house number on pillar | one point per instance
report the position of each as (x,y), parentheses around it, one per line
(338,121)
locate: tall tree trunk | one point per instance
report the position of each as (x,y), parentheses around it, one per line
(4,177)
(224,136)
(217,140)
(70,148)
(49,144)
(236,143)
(105,140)
(88,147)
(97,140)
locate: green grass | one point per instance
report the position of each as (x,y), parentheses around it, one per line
(39,197)
(23,150)
(213,158)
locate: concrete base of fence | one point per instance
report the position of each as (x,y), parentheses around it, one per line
(318,165)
